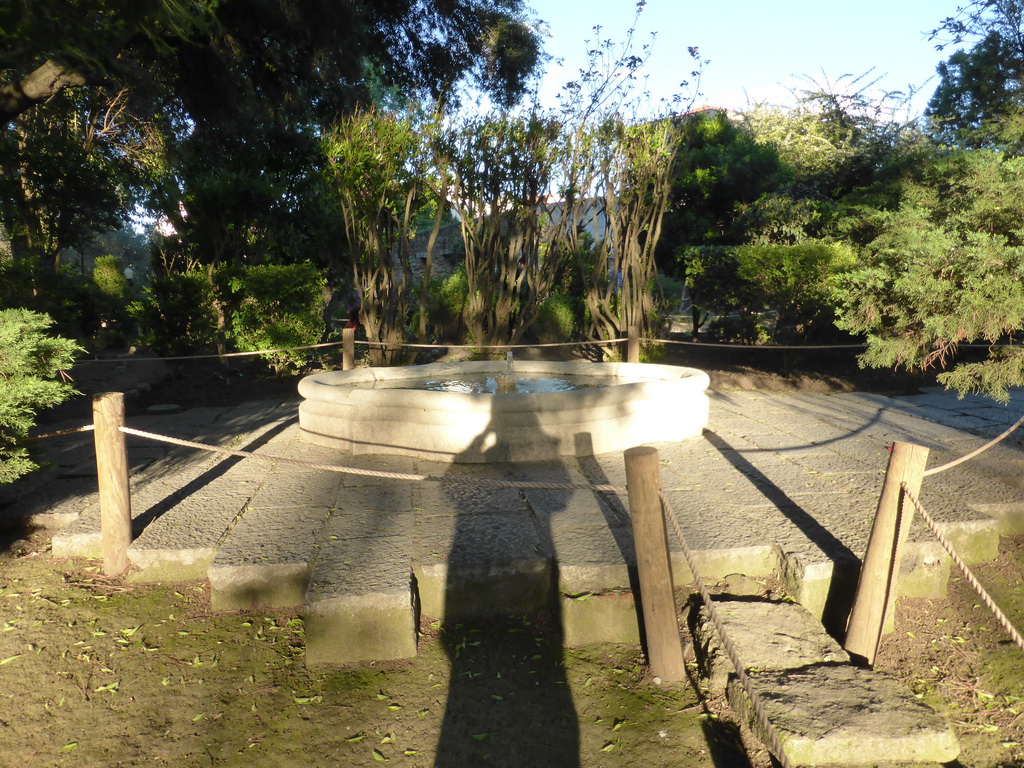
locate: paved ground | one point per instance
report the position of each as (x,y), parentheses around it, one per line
(783,485)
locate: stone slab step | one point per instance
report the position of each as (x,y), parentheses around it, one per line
(360,604)
(265,561)
(842,715)
(822,710)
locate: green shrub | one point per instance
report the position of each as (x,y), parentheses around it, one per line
(65,295)
(30,361)
(108,277)
(793,282)
(278,306)
(110,291)
(446,306)
(176,315)
(556,320)
(742,328)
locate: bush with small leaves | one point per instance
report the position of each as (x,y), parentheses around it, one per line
(31,361)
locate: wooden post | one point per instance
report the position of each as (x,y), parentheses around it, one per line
(112,476)
(876,588)
(348,349)
(654,568)
(633,344)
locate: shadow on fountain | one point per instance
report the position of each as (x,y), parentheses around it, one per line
(509,702)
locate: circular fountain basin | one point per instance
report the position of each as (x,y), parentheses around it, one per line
(617,406)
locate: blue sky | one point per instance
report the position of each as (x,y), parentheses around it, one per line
(756,47)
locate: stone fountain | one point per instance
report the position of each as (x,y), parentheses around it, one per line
(540,410)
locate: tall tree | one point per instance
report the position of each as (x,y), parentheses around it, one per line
(377,163)
(980,95)
(720,170)
(58,44)
(240,90)
(503,174)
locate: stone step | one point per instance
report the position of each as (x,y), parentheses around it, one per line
(822,710)
(360,604)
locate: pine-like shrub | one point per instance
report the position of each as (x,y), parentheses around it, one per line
(30,363)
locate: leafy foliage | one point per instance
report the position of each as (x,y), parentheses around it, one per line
(277,307)
(720,171)
(946,268)
(557,319)
(503,171)
(30,361)
(109,278)
(176,315)
(446,304)
(63,295)
(978,100)
(767,293)
(377,163)
(792,282)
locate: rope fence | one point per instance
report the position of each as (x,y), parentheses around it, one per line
(497,347)
(406,476)
(978,451)
(1001,617)
(63,432)
(768,731)
(550,345)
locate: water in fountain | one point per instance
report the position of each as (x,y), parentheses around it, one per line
(505,382)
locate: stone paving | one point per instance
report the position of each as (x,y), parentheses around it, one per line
(780,485)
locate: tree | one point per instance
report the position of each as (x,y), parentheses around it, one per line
(721,168)
(946,268)
(503,171)
(836,136)
(52,46)
(979,97)
(615,183)
(231,99)
(30,362)
(377,163)
(613,234)
(64,175)
(278,307)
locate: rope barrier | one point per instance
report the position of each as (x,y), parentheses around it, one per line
(971,579)
(381,344)
(405,345)
(209,357)
(60,433)
(771,738)
(402,344)
(977,451)
(715,345)
(375,472)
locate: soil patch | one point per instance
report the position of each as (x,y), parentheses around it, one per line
(98,672)
(954,655)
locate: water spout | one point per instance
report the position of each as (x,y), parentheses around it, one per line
(507,380)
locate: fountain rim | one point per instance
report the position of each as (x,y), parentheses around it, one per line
(342,387)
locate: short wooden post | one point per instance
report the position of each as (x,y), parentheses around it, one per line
(876,588)
(654,567)
(112,476)
(348,349)
(633,344)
